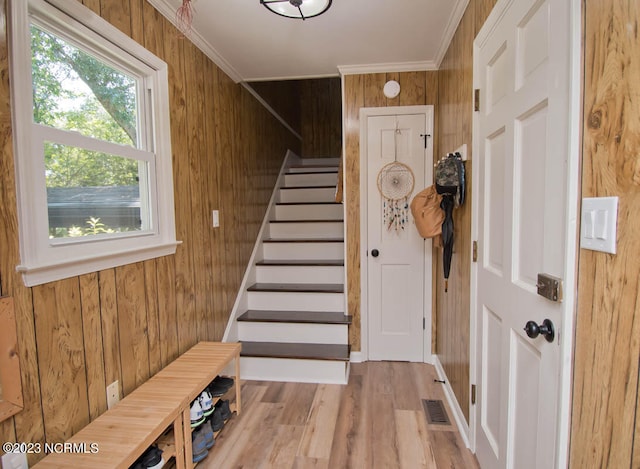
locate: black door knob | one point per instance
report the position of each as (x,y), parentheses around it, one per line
(375,252)
(533,330)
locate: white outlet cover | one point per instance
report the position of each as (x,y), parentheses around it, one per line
(113,394)
(599,221)
(15,461)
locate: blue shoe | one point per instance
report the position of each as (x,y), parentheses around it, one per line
(198,446)
(208,434)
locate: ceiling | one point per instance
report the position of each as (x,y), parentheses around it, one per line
(250,43)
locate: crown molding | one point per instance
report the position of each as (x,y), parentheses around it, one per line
(450,30)
(387,68)
(169,12)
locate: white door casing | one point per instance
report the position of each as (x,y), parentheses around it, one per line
(524,221)
(396,286)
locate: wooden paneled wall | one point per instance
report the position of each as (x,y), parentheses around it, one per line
(417,88)
(455,78)
(313,108)
(321,118)
(283,97)
(78,335)
(606,419)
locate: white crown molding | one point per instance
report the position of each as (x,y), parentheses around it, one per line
(292,77)
(169,12)
(450,30)
(388,67)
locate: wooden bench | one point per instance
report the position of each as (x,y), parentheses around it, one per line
(123,433)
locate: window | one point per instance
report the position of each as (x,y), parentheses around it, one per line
(92,143)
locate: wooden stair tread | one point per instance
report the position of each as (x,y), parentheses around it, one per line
(297,287)
(304,240)
(304,317)
(297,351)
(302,262)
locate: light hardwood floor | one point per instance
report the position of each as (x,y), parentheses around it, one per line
(376,421)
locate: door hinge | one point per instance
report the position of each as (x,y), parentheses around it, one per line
(476,99)
(475,251)
(473,394)
(424,324)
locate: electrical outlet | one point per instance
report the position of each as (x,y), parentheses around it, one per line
(113,394)
(15,461)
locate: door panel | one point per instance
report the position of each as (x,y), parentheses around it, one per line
(522,159)
(396,277)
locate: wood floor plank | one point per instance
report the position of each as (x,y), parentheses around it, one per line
(299,398)
(317,438)
(358,425)
(350,437)
(287,440)
(414,447)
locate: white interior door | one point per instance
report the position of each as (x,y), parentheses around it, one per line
(521,143)
(396,258)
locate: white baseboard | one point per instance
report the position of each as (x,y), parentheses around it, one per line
(461,422)
(356,357)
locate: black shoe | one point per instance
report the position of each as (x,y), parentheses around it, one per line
(220,385)
(217,422)
(223,381)
(152,458)
(224,409)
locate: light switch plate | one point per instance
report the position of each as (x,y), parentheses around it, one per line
(599,224)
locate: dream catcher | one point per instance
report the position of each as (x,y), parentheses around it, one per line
(395,183)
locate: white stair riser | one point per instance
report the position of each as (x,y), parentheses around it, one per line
(310,251)
(311,194)
(316,230)
(312,169)
(309,212)
(295,301)
(306,180)
(335,162)
(294,370)
(293,332)
(299,274)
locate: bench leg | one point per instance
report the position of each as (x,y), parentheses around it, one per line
(238,383)
(178,436)
(188,449)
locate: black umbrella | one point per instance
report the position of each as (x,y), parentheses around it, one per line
(447,205)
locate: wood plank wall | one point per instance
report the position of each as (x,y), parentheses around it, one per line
(605,419)
(78,335)
(417,88)
(455,78)
(313,108)
(321,118)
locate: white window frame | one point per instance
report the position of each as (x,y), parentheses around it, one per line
(42,259)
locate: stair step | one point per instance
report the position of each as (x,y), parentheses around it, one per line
(337,352)
(302,262)
(297,287)
(285,229)
(284,248)
(328,211)
(311,169)
(305,317)
(311,179)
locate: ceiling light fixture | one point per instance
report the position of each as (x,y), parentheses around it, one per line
(299,9)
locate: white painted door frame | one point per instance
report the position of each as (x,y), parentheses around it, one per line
(571,229)
(365,113)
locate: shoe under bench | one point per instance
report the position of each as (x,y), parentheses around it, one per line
(124,432)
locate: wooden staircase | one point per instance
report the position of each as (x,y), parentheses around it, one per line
(295,327)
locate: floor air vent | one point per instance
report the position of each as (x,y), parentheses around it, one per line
(435,412)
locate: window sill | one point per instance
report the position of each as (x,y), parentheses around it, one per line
(39,274)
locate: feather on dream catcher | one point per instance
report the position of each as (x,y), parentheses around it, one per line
(395,183)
